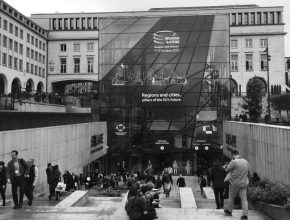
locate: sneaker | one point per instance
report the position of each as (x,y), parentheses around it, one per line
(228,213)
(15,207)
(244,217)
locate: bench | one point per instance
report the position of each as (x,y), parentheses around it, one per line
(208,192)
(77,198)
(187,199)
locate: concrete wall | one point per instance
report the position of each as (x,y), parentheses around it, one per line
(68,146)
(266,147)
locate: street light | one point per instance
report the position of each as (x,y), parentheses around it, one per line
(268,81)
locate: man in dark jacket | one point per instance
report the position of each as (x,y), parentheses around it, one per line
(16,170)
(3,181)
(217,175)
(50,180)
(29,180)
(181,181)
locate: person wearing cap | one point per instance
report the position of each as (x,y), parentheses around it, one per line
(3,181)
(217,175)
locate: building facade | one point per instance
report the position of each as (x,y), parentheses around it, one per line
(23,51)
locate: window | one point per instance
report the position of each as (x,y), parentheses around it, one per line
(39,71)
(27,52)
(77,47)
(95,22)
(265,18)
(90,46)
(83,23)
(271,18)
(89,25)
(240,18)
(10,61)
(234,62)
(72,23)
(76,65)
(32,54)
(31,68)
(5,25)
(32,40)
(263,43)
(246,18)
(35,70)
(21,34)
(10,28)
(77,23)
(16,31)
(60,24)
(0,22)
(65,25)
(234,19)
(263,62)
(10,44)
(249,62)
(21,49)
(234,43)
(39,57)
(259,18)
(63,47)
(249,43)
(252,20)
(15,63)
(15,46)
(40,44)
(54,24)
(36,42)
(28,38)
(20,65)
(43,47)
(36,56)
(90,64)
(4,41)
(278,17)
(4,59)
(63,65)
(27,67)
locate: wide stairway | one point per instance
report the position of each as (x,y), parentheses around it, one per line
(172,209)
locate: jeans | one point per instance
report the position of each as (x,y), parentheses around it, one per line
(242,192)
(219,197)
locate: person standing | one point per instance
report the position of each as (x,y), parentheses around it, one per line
(217,175)
(16,169)
(181,181)
(175,167)
(3,181)
(36,176)
(76,181)
(50,180)
(187,168)
(29,181)
(238,177)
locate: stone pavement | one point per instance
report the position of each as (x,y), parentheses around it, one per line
(113,209)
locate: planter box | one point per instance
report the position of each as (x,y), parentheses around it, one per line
(275,212)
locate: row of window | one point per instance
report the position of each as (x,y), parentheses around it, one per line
(74,23)
(21,18)
(249,43)
(77,47)
(77,62)
(18,32)
(248,62)
(252,18)
(17,64)
(18,48)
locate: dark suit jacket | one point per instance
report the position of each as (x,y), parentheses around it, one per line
(3,179)
(22,168)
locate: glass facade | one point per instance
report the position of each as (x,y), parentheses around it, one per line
(164,83)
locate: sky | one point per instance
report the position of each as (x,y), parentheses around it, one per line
(28,7)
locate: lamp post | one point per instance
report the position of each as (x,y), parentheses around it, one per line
(268,81)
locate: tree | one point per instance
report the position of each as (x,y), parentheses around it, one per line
(281,102)
(253,100)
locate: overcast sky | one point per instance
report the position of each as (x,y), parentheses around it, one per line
(28,7)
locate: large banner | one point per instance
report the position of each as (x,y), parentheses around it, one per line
(168,66)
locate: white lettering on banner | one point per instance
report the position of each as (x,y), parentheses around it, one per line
(161,97)
(166,41)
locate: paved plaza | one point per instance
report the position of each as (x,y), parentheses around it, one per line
(102,208)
